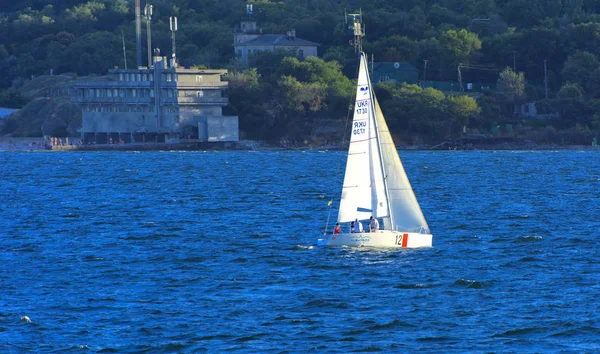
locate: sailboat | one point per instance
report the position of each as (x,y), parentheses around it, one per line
(375,183)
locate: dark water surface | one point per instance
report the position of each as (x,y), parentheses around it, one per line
(215,251)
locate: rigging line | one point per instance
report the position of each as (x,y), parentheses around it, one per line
(337,169)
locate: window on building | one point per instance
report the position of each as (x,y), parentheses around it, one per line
(139,77)
(199,78)
(170,93)
(133,93)
(239,52)
(121,77)
(151,93)
(301,53)
(200,93)
(121,93)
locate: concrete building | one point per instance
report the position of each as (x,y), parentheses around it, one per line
(248,40)
(159,104)
(529,111)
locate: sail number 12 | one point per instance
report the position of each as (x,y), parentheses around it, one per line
(399,240)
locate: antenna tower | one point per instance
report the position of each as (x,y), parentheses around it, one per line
(173,26)
(148,18)
(354,25)
(138,33)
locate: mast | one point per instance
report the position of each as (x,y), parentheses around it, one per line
(376,127)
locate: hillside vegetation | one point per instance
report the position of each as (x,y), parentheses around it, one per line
(510,46)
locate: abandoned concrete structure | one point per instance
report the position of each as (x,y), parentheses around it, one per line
(158,104)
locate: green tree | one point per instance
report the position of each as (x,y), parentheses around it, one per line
(578,67)
(570,90)
(459,47)
(12,98)
(462,109)
(511,86)
(302,97)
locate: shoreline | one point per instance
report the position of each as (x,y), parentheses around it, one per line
(38,145)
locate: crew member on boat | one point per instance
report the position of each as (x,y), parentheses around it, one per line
(373,225)
(358,226)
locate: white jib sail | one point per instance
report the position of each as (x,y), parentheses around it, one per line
(405,211)
(363,191)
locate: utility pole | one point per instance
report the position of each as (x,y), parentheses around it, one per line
(545,80)
(124,51)
(460,88)
(514,60)
(148,18)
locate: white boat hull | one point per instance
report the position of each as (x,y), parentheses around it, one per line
(381,238)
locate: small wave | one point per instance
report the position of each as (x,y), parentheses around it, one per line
(435,339)
(256,336)
(521,332)
(529,238)
(112,299)
(412,286)
(25,248)
(303,247)
(369,349)
(326,303)
(471,284)
(578,240)
(348,339)
(92,258)
(390,325)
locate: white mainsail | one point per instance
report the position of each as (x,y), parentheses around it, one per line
(375,182)
(363,192)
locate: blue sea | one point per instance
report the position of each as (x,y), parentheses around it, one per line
(192,252)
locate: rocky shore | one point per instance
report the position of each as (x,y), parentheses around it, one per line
(39,144)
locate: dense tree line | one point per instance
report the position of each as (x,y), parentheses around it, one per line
(504,43)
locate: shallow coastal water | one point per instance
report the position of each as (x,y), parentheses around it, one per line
(216,251)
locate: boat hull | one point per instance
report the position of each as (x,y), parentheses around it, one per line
(381,238)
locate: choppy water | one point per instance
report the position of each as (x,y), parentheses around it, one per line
(215,251)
